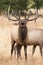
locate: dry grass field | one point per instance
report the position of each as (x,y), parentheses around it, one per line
(5,44)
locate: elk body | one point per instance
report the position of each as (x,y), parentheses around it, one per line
(25,36)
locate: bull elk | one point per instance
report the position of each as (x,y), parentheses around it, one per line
(22,35)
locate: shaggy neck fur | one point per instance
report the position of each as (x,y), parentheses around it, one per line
(22,33)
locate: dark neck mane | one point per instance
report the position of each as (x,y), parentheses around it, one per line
(22,33)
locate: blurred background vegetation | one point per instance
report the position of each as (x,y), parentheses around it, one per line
(20,5)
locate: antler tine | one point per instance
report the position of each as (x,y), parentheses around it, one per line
(8,10)
(19,14)
(25,14)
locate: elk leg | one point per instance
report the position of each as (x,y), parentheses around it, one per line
(12,49)
(15,48)
(40,50)
(25,49)
(33,50)
(18,51)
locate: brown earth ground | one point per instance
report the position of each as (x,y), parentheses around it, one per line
(5,44)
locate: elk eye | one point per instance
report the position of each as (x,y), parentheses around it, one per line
(22,23)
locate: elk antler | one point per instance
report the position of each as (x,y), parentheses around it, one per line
(9,16)
(35,17)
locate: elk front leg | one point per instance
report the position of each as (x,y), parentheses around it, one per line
(15,49)
(18,51)
(33,50)
(40,50)
(12,48)
(25,49)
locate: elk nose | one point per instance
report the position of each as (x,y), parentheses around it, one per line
(22,23)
